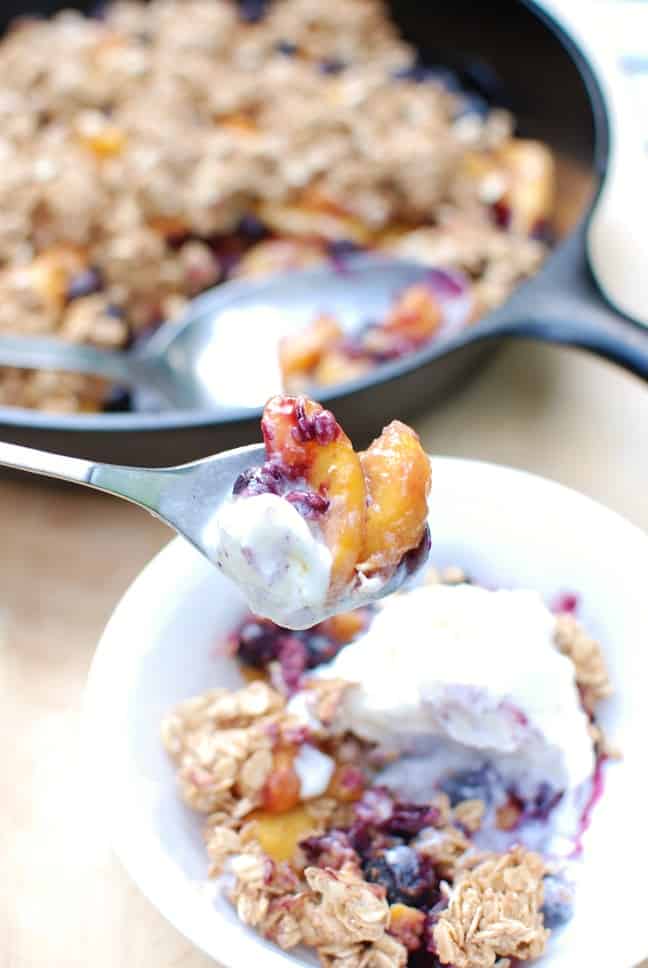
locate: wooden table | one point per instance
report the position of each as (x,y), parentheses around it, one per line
(67,555)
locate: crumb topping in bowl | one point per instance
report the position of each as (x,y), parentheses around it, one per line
(364,873)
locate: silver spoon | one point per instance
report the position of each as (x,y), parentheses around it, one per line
(222,352)
(186,498)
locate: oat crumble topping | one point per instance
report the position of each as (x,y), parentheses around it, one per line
(494,911)
(317,872)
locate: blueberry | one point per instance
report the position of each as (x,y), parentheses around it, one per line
(422,74)
(545,800)
(332,66)
(332,849)
(322,427)
(287,48)
(474,784)
(258,643)
(409,819)
(340,249)
(310,504)
(118,400)
(473,104)
(258,480)
(252,228)
(252,11)
(406,877)
(319,648)
(417,557)
(558,902)
(84,284)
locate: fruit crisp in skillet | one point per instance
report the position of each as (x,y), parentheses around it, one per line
(167,146)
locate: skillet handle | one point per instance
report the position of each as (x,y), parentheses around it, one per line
(564,305)
(593,291)
(616,235)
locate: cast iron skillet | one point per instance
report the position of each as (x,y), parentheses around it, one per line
(558,96)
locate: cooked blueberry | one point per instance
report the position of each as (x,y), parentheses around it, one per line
(469,785)
(557,908)
(417,557)
(406,877)
(473,104)
(421,74)
(258,480)
(287,48)
(118,400)
(84,284)
(252,10)
(545,800)
(320,648)
(332,66)
(310,504)
(322,427)
(258,643)
(408,819)
(252,228)
(342,248)
(115,311)
(333,849)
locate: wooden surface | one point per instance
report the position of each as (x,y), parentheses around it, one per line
(67,555)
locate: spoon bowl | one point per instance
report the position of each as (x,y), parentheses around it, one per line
(222,353)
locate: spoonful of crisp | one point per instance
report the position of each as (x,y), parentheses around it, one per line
(305,526)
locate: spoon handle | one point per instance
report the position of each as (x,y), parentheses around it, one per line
(138,485)
(52,354)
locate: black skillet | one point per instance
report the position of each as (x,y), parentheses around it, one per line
(559,94)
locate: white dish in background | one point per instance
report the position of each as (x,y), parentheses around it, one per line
(506,528)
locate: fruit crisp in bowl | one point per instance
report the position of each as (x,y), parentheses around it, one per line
(162,148)
(406,784)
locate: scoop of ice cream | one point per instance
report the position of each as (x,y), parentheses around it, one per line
(463,675)
(264,545)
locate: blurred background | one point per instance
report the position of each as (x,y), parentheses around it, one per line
(68,554)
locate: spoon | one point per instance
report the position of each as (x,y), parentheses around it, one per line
(186,498)
(223,351)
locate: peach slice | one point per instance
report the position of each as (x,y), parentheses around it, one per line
(308,441)
(337,367)
(344,626)
(416,315)
(531,177)
(397,476)
(280,834)
(51,271)
(301,352)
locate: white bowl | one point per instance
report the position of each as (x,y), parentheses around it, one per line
(504,527)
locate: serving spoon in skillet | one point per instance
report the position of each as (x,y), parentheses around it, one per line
(223,352)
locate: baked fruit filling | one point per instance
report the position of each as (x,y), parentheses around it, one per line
(319,527)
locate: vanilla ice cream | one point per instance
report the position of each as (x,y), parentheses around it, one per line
(456,676)
(282,564)
(275,557)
